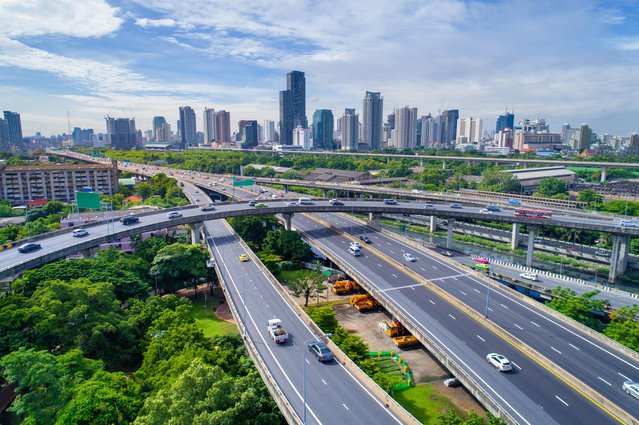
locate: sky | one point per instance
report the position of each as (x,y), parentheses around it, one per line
(568,61)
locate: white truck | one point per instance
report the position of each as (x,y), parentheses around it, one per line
(277,331)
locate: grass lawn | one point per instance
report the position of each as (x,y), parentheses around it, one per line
(424,403)
(286,276)
(206,319)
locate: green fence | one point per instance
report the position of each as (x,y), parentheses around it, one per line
(409,376)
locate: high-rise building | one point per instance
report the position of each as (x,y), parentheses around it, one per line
(449,125)
(286,118)
(372,120)
(301,137)
(15,129)
(208,122)
(535,134)
(350,130)
(82,137)
(269,131)
(223,127)
(296,84)
(4,135)
(424,136)
(404,136)
(505,121)
(121,133)
(250,136)
(163,133)
(187,129)
(435,132)
(158,121)
(323,129)
(585,137)
(469,130)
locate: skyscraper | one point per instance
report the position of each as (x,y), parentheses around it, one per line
(250,134)
(449,127)
(350,131)
(505,121)
(223,127)
(585,137)
(323,129)
(163,133)
(469,130)
(269,131)
(157,123)
(4,135)
(296,84)
(121,133)
(301,137)
(286,118)
(372,120)
(426,127)
(404,136)
(188,131)
(208,122)
(15,128)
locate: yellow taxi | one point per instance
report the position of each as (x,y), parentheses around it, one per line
(244,258)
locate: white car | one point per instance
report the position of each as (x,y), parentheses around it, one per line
(356,244)
(500,362)
(628,223)
(409,257)
(78,233)
(530,276)
(174,214)
(631,388)
(485,211)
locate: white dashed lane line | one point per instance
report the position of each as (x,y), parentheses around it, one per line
(623,376)
(483,340)
(557,397)
(431,301)
(379,265)
(345,406)
(463,292)
(452,317)
(476,290)
(554,349)
(575,347)
(603,380)
(516,365)
(506,307)
(422,269)
(394,275)
(518,327)
(535,324)
(324,382)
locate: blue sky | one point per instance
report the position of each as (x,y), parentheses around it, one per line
(569,61)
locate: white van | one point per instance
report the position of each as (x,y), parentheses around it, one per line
(355,251)
(305,201)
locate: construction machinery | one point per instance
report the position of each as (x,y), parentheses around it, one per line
(343,287)
(394,328)
(405,341)
(364,302)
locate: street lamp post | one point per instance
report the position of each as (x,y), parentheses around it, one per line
(487,297)
(158,334)
(155,273)
(328,335)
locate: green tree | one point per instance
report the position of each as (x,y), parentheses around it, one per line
(550,187)
(288,244)
(144,190)
(308,285)
(180,265)
(495,181)
(324,317)
(579,307)
(623,326)
(253,229)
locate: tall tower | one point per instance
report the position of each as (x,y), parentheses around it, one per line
(223,127)
(269,131)
(350,132)
(323,129)
(208,121)
(296,84)
(372,121)
(157,124)
(505,121)
(121,133)
(404,136)
(4,135)
(188,132)
(15,128)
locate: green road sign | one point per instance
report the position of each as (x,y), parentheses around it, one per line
(88,200)
(247,182)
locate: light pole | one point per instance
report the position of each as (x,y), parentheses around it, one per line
(155,273)
(328,335)
(487,297)
(158,334)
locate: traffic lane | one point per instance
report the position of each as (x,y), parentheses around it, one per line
(520,313)
(474,363)
(332,375)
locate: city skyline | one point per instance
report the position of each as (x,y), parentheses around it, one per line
(126,59)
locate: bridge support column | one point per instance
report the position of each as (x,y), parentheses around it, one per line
(325,193)
(514,240)
(449,236)
(196,230)
(89,252)
(421,162)
(618,257)
(444,164)
(433,223)
(531,245)
(285,188)
(604,174)
(287,220)
(525,165)
(374,220)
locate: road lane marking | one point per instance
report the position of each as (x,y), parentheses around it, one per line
(379,265)
(623,376)
(394,275)
(557,397)
(432,302)
(463,293)
(422,269)
(401,287)
(480,338)
(476,290)
(388,243)
(345,406)
(324,382)
(392,252)
(454,278)
(516,365)
(413,288)
(554,349)
(506,307)
(576,348)
(518,327)
(601,379)
(453,317)
(535,324)
(490,309)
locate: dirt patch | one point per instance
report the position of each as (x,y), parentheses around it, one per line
(224,313)
(424,366)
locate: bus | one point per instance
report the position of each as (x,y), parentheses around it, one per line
(532,213)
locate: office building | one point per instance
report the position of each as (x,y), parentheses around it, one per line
(404,135)
(249,131)
(585,138)
(372,120)
(449,125)
(296,84)
(14,125)
(323,129)
(469,130)
(505,121)
(633,141)
(121,133)
(163,133)
(208,122)
(535,134)
(269,131)
(5,144)
(223,127)
(187,131)
(286,118)
(82,137)
(21,184)
(301,137)
(425,122)
(350,129)
(158,121)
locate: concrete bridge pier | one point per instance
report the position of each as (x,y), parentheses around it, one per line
(618,257)
(287,220)
(196,233)
(325,193)
(444,164)
(449,236)
(531,245)
(421,162)
(89,252)
(514,241)
(604,174)
(433,223)
(374,220)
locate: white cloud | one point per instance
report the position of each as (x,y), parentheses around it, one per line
(85,18)
(144,22)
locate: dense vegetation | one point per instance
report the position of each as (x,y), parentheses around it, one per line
(84,343)
(37,221)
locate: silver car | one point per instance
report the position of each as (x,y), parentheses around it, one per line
(499,361)
(631,388)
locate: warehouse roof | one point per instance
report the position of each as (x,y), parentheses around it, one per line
(540,173)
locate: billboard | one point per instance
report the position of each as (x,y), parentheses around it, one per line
(247,182)
(88,200)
